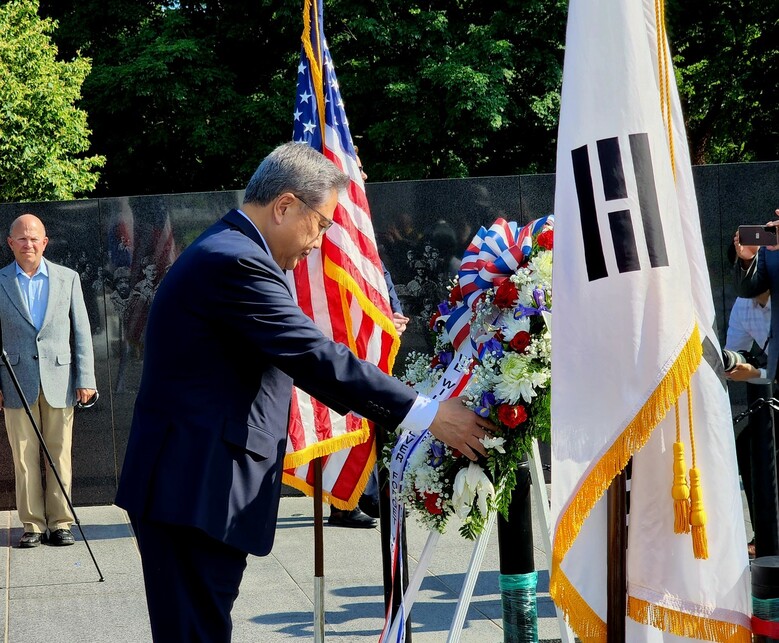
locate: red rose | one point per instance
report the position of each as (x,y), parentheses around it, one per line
(434,319)
(520,341)
(430,504)
(506,295)
(456,453)
(455,295)
(512,415)
(546,239)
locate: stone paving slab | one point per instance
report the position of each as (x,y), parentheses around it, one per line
(57,589)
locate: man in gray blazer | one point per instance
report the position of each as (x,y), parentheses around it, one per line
(46,334)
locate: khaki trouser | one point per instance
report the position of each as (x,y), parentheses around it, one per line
(36,510)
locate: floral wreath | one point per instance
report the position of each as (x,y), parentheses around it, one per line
(497,318)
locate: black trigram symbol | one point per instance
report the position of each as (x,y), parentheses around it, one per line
(620,222)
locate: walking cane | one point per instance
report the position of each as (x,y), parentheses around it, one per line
(26,405)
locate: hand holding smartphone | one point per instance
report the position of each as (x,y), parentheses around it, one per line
(757,235)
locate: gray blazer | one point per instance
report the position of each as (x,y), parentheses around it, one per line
(58,359)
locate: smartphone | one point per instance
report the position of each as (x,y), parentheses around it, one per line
(757,235)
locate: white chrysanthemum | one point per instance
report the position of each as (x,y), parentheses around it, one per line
(541,265)
(511,326)
(518,380)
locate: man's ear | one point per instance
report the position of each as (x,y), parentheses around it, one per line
(281,204)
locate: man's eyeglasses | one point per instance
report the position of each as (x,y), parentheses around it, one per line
(324,222)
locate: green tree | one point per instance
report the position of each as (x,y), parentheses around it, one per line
(43,135)
(184,98)
(188,95)
(446,89)
(727,58)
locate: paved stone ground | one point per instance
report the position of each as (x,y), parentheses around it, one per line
(53,593)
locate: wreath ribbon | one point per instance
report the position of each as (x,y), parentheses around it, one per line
(491,258)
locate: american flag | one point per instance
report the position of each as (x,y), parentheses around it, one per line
(341,286)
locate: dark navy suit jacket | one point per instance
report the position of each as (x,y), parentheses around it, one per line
(225,340)
(763,275)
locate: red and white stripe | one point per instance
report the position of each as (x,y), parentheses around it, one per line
(342,288)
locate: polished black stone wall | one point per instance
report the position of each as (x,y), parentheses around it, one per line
(122,247)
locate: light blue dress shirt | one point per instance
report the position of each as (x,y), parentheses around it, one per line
(35,292)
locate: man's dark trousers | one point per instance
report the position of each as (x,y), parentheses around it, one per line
(756,450)
(191,582)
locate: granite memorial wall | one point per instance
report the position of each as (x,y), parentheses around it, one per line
(122,247)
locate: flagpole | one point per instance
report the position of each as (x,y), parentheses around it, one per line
(616,584)
(319,562)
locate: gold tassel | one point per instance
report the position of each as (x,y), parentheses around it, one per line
(680,492)
(700,545)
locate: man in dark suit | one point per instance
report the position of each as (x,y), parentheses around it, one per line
(225,342)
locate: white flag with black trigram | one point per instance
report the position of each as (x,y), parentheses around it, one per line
(633,342)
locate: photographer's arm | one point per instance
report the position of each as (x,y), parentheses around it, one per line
(745,373)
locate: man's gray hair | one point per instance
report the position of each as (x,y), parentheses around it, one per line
(296,168)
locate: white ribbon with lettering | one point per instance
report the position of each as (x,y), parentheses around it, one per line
(451,384)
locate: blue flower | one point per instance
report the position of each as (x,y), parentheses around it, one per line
(437,452)
(488,399)
(539,296)
(445,358)
(492,346)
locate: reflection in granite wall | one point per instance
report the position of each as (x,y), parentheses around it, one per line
(122,248)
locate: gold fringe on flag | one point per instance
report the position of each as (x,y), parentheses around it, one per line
(327,498)
(633,437)
(295,459)
(686,625)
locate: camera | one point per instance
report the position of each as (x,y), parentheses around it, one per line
(731,358)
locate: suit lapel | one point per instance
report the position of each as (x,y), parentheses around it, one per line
(10,284)
(236,220)
(56,289)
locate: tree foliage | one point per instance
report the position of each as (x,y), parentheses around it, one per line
(43,135)
(727,59)
(189,95)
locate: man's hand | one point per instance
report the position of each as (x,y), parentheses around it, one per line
(460,428)
(83,395)
(773,224)
(742,373)
(747,253)
(400,322)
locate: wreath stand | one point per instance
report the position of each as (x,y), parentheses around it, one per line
(479,548)
(542,507)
